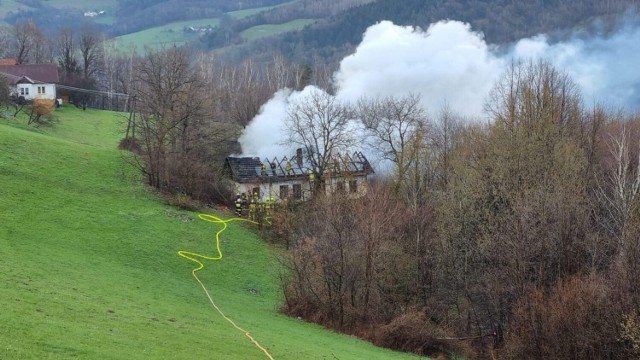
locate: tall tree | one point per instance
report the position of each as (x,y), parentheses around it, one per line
(395,126)
(322,125)
(91,51)
(169,98)
(25,34)
(67,48)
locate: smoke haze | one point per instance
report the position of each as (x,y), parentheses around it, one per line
(451,63)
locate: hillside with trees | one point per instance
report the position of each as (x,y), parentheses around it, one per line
(512,238)
(501,21)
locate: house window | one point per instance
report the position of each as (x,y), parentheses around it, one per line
(353,186)
(40,89)
(284,191)
(297,191)
(340,187)
(24,91)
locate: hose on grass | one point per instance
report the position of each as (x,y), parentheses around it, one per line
(195,257)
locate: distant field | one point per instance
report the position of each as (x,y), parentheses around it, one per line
(90,269)
(7,6)
(83,4)
(173,33)
(261,31)
(162,35)
(109,6)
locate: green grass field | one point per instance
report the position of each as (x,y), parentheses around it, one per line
(89,266)
(173,33)
(164,35)
(261,31)
(110,6)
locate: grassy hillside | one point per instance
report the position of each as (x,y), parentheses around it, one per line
(110,6)
(90,267)
(173,33)
(164,35)
(266,30)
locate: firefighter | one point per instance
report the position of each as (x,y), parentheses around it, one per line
(263,169)
(273,168)
(253,207)
(238,204)
(289,168)
(268,206)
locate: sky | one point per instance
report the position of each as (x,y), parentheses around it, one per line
(451,63)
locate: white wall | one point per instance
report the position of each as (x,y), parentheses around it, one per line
(30,91)
(273,190)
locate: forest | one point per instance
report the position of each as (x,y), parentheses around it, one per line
(514,239)
(501,22)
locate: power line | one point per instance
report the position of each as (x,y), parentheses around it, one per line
(89,91)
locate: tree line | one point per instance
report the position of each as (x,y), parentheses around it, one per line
(501,22)
(515,239)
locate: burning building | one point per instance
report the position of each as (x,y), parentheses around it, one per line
(294,178)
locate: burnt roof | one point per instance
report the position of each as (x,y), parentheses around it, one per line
(44,73)
(249,169)
(244,168)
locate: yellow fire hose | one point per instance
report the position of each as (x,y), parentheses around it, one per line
(195,258)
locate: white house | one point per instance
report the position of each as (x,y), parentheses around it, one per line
(293,179)
(32,81)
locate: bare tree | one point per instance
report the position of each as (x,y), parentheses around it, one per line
(25,34)
(67,48)
(90,50)
(393,123)
(619,188)
(321,125)
(169,98)
(243,90)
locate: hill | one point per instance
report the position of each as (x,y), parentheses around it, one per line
(91,271)
(501,22)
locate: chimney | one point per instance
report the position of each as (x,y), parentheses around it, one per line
(299,157)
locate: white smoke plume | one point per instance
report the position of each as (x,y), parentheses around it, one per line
(451,63)
(448,62)
(605,68)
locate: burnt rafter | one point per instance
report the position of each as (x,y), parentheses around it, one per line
(250,169)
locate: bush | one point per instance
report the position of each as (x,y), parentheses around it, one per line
(183,201)
(414,332)
(42,113)
(577,319)
(630,332)
(130,144)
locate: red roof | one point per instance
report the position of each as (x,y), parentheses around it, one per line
(46,73)
(8,61)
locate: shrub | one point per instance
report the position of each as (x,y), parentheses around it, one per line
(577,319)
(630,332)
(414,332)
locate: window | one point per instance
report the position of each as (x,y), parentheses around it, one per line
(284,191)
(353,186)
(26,91)
(340,187)
(297,191)
(22,91)
(40,89)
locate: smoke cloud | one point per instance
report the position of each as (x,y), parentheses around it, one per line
(450,63)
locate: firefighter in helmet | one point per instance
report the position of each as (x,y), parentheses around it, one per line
(289,168)
(238,204)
